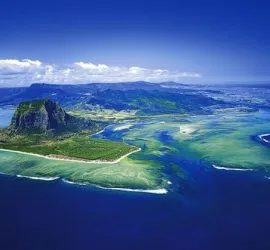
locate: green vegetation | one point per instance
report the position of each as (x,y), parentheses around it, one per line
(170,128)
(166,141)
(46,116)
(152,102)
(77,146)
(43,127)
(136,171)
(31,106)
(107,115)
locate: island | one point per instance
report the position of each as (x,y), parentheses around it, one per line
(44,128)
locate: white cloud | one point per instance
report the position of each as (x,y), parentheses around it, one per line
(11,66)
(92,67)
(24,72)
(12,63)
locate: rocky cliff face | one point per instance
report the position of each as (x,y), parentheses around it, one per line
(40,116)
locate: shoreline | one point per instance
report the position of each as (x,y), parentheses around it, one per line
(63,158)
(232,169)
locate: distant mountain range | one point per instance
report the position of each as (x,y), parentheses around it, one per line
(65,94)
(145,97)
(152,102)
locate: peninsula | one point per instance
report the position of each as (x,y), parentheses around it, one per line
(42,127)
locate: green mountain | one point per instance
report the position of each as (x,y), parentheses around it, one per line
(43,127)
(41,116)
(153,102)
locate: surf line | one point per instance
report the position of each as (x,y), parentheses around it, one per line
(151,191)
(232,169)
(38,178)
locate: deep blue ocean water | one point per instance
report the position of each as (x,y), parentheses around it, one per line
(227,211)
(212,210)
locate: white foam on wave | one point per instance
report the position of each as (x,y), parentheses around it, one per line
(267,177)
(2,173)
(151,191)
(232,169)
(99,132)
(73,183)
(262,137)
(128,126)
(38,178)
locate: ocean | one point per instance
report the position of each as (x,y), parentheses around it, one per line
(227,211)
(212,210)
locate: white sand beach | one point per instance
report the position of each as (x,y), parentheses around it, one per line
(66,158)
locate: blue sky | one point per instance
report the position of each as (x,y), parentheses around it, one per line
(84,41)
